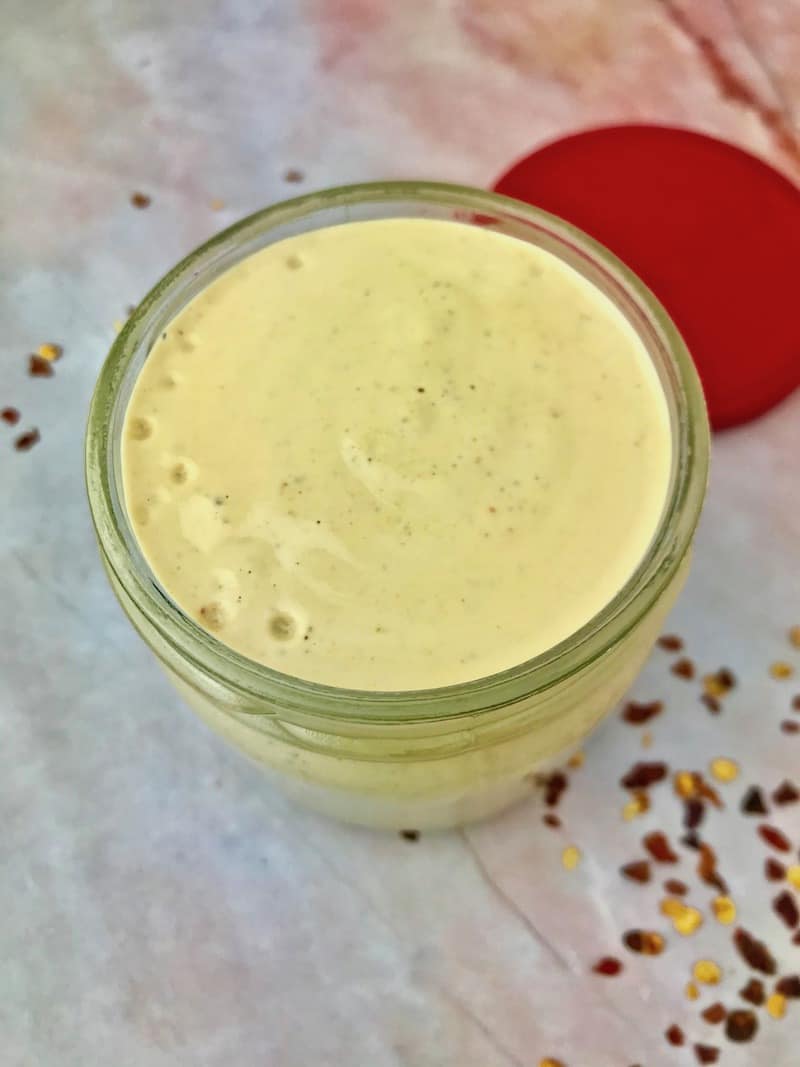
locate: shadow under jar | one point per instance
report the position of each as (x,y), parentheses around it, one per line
(418,759)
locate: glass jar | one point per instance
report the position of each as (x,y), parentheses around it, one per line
(425,758)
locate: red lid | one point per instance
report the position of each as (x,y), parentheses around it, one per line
(711,229)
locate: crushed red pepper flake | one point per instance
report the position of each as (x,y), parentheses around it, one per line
(775,837)
(551,820)
(659,847)
(691,785)
(636,713)
(26,441)
(796,702)
(670,642)
(683,668)
(141,200)
(410,835)
(609,966)
(554,785)
(796,938)
(674,1035)
(741,1025)
(712,703)
(638,871)
(293,175)
(753,992)
(707,868)
(774,871)
(706,1053)
(789,727)
(10,416)
(726,677)
(708,792)
(719,683)
(754,952)
(753,802)
(39,367)
(786,793)
(785,906)
(714,1013)
(789,986)
(637,805)
(693,813)
(645,942)
(691,840)
(794,636)
(642,775)
(676,887)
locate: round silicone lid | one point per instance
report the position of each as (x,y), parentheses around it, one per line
(711,229)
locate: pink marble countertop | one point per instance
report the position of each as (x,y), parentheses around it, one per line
(161,907)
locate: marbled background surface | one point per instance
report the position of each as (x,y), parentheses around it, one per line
(159,906)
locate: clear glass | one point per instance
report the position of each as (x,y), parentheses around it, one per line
(425,758)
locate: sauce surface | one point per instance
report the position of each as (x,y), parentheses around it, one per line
(396,454)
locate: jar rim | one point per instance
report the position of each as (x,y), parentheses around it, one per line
(262,688)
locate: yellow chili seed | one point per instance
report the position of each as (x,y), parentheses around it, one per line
(724,910)
(672,907)
(50,352)
(692,992)
(570,857)
(685,918)
(776,1005)
(724,770)
(794,633)
(707,972)
(688,921)
(793,875)
(781,670)
(685,784)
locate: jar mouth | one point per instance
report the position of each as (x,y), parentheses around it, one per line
(262,688)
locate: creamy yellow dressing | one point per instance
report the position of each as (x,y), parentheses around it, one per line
(396,454)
